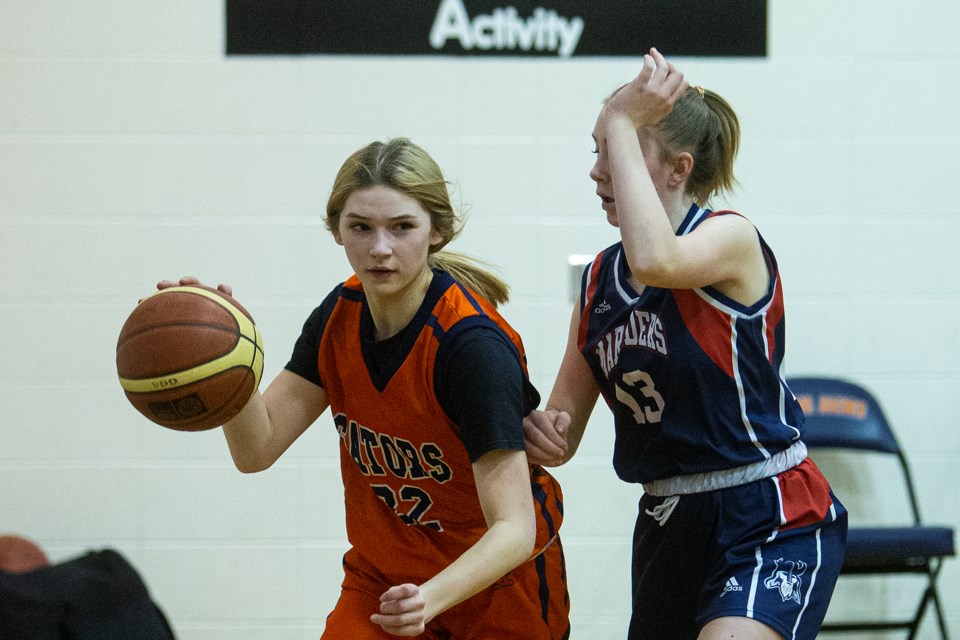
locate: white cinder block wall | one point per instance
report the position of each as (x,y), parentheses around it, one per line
(132,149)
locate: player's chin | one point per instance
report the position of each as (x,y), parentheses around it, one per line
(373,279)
(609,207)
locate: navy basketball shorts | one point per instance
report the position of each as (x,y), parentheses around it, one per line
(770,550)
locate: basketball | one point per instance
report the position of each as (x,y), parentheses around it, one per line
(20,555)
(189,357)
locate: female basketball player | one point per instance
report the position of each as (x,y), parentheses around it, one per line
(680,327)
(453,534)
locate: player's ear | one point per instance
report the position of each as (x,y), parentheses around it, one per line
(682,166)
(337,237)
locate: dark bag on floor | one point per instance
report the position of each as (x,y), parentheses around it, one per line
(98,596)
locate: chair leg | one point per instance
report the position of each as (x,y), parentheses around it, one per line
(915,625)
(940,620)
(933,571)
(930,594)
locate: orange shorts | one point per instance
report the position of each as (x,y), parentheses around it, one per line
(529,603)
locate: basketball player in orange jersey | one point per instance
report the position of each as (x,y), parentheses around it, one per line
(453,534)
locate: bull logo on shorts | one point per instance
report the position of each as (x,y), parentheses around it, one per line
(785,578)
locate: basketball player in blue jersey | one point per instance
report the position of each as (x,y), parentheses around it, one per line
(680,327)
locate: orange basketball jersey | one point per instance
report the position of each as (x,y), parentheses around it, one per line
(411,501)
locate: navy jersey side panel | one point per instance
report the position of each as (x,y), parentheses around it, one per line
(693,378)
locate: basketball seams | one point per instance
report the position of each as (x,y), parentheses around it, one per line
(132,333)
(219,341)
(256,363)
(239,356)
(243,320)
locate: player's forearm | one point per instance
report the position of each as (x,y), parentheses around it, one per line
(270,422)
(574,393)
(504,546)
(248,436)
(648,239)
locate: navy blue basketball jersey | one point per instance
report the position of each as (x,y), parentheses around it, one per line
(693,378)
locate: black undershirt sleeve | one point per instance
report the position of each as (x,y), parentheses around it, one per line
(481,386)
(303,360)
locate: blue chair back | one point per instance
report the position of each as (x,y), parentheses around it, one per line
(841,414)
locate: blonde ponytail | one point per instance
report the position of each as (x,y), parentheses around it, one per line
(469,272)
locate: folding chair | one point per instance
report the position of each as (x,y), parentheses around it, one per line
(842,415)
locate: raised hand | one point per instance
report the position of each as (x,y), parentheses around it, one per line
(649,97)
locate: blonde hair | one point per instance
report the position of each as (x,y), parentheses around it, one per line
(703,124)
(406,167)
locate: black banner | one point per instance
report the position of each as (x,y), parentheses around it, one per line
(551,28)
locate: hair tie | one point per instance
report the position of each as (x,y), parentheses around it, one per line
(699,90)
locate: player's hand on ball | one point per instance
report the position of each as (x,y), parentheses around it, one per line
(191,280)
(403,611)
(545,436)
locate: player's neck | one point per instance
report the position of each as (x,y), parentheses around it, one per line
(391,313)
(677,210)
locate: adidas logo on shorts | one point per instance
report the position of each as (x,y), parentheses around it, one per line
(732,585)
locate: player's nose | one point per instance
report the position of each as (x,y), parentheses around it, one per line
(382,243)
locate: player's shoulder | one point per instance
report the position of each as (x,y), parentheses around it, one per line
(317,320)
(726,223)
(330,300)
(727,217)
(456,301)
